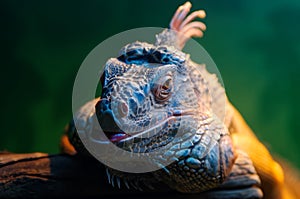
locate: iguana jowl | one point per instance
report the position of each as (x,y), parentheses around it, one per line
(158,87)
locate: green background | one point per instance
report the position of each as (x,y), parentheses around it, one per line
(255,45)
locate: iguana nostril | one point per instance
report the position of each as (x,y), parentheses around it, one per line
(123,109)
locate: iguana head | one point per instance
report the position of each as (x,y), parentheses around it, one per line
(153,97)
(146,90)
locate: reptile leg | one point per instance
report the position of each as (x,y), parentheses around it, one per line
(185,26)
(242,182)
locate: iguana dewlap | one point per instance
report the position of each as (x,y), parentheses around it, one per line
(158,87)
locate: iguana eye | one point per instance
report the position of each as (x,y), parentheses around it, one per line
(162,89)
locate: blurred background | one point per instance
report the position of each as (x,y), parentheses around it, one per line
(255,45)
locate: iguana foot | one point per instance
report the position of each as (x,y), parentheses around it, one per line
(242,182)
(185,26)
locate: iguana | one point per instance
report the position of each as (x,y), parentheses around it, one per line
(160,89)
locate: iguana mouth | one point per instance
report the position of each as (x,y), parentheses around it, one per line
(119,135)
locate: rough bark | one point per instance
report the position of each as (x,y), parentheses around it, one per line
(38,175)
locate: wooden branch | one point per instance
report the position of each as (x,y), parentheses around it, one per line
(40,175)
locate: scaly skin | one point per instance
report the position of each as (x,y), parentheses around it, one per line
(158,85)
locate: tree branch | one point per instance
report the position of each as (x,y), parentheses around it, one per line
(40,175)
